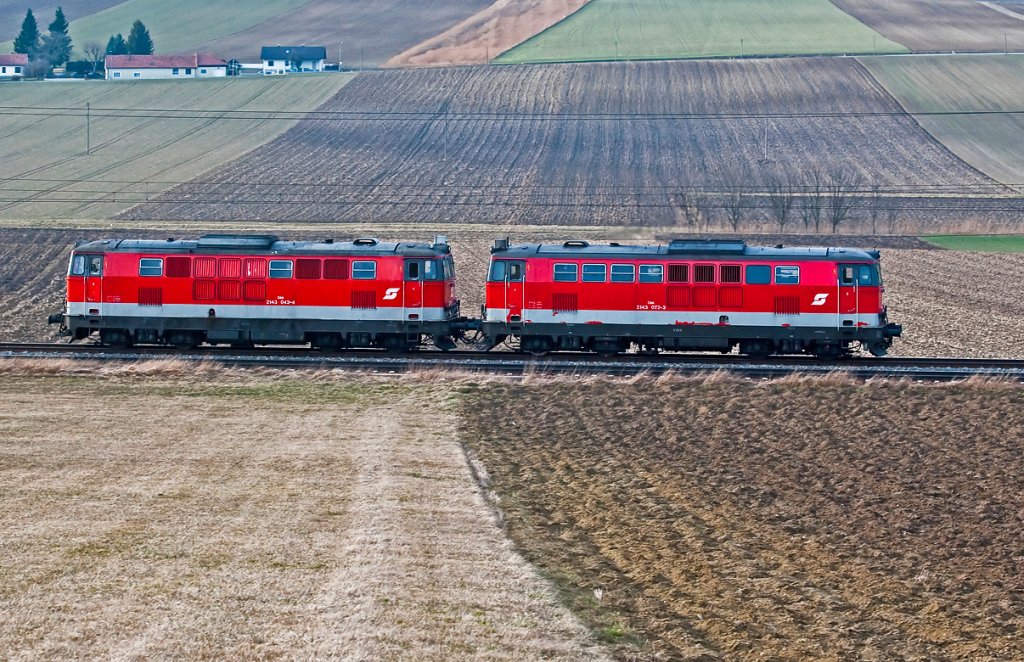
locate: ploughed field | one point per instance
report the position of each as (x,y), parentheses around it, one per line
(591,144)
(794,519)
(951,303)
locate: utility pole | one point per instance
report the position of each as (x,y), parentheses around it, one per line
(766,140)
(741,48)
(88,138)
(339,54)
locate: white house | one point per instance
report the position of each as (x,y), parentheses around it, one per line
(285,59)
(150,67)
(12,67)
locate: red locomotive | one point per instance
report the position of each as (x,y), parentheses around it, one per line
(246,290)
(254,289)
(687,296)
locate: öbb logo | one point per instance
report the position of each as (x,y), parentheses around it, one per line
(820,299)
(391,294)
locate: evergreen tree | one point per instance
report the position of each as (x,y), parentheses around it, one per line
(56,46)
(117,45)
(28,39)
(139,41)
(60,24)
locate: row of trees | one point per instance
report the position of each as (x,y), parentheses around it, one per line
(53,49)
(827,199)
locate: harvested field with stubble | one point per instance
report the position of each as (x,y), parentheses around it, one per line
(794,519)
(201,514)
(595,144)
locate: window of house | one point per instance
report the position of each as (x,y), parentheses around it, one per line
(202,71)
(759,274)
(270,63)
(595,273)
(117,74)
(566,273)
(623,273)
(17,70)
(364,269)
(136,75)
(787,275)
(280,268)
(188,72)
(174,71)
(703,273)
(679,273)
(652,273)
(729,273)
(3,70)
(151,266)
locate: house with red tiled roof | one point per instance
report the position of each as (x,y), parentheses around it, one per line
(164,67)
(12,67)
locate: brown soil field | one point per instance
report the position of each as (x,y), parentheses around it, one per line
(796,519)
(951,303)
(487,34)
(584,144)
(939,25)
(13,13)
(372,32)
(310,516)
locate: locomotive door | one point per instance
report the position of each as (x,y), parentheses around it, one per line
(413,299)
(94,283)
(515,289)
(849,296)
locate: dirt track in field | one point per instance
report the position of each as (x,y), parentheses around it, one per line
(939,25)
(303,517)
(487,34)
(594,144)
(799,519)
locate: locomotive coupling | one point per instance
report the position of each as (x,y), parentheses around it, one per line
(56,318)
(893,330)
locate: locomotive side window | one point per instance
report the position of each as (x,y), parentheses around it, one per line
(729,273)
(679,273)
(847,275)
(759,274)
(623,273)
(595,273)
(448,265)
(412,270)
(651,273)
(430,271)
(94,265)
(77,266)
(787,275)
(866,276)
(151,266)
(566,273)
(703,273)
(280,268)
(498,271)
(364,269)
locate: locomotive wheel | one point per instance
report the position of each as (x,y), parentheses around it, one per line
(184,340)
(116,338)
(757,349)
(828,352)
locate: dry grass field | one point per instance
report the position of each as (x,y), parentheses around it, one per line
(939,25)
(160,512)
(988,139)
(796,519)
(144,137)
(597,144)
(951,303)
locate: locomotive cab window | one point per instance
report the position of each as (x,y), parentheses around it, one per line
(787,275)
(623,273)
(652,273)
(847,275)
(94,265)
(566,273)
(151,266)
(280,268)
(759,274)
(867,275)
(77,267)
(595,273)
(364,269)
(507,271)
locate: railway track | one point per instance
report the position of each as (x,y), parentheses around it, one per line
(503,362)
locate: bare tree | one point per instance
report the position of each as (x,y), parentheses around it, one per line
(875,206)
(735,199)
(780,200)
(94,53)
(812,201)
(840,188)
(693,204)
(892,212)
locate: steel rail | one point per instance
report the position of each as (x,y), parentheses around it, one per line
(506,362)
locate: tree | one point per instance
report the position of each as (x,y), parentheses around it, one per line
(735,199)
(116,45)
(60,24)
(875,207)
(55,48)
(811,202)
(780,200)
(839,190)
(139,41)
(94,53)
(693,204)
(28,39)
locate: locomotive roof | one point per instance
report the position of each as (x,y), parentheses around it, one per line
(697,250)
(268,244)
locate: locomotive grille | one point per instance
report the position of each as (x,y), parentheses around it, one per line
(678,296)
(151,296)
(364,300)
(178,267)
(254,290)
(229,290)
(565,303)
(705,297)
(204,290)
(730,297)
(787,305)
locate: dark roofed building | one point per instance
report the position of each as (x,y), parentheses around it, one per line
(285,59)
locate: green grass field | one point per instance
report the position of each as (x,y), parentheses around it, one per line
(176,27)
(668,29)
(979,243)
(141,141)
(991,142)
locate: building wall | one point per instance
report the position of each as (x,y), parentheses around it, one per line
(11,71)
(275,67)
(166,73)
